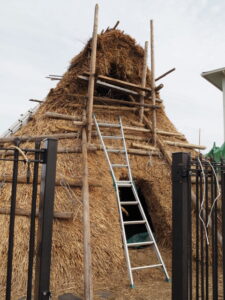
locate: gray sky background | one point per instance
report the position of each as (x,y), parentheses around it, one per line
(41,37)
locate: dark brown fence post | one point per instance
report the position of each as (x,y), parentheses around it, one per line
(181,228)
(44,238)
(12,225)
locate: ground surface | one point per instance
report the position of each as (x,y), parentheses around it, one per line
(150,284)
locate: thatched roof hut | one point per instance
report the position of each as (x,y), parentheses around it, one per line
(118,56)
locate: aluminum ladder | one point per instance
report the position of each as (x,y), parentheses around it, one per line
(24,118)
(129,184)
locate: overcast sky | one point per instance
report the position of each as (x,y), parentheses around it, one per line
(41,37)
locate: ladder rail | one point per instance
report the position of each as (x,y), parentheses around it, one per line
(127,256)
(150,232)
(105,150)
(23,119)
(125,148)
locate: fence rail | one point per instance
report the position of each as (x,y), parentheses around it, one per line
(198,257)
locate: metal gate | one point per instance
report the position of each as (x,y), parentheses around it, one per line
(198,257)
(40,243)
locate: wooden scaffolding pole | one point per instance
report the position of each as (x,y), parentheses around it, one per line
(143,81)
(88,288)
(153,81)
(91,84)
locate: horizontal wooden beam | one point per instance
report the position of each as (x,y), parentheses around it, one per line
(130,150)
(95,147)
(26,138)
(55,115)
(72,135)
(58,182)
(135,123)
(120,108)
(146,147)
(121,82)
(127,103)
(185,145)
(26,213)
(111,99)
(111,86)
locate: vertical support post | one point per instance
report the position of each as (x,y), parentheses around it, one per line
(223,84)
(181,227)
(12,225)
(88,289)
(223,222)
(44,235)
(91,84)
(153,81)
(32,222)
(143,81)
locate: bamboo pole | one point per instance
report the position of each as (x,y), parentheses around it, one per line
(35,100)
(120,108)
(145,147)
(91,84)
(88,288)
(143,81)
(185,145)
(54,115)
(164,74)
(121,83)
(59,181)
(131,150)
(95,147)
(111,86)
(159,87)
(26,213)
(110,99)
(115,26)
(135,123)
(117,101)
(153,81)
(27,138)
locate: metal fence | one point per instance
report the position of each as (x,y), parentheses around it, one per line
(198,257)
(39,242)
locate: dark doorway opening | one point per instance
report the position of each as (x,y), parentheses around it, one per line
(132,212)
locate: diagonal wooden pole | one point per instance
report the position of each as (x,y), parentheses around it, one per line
(91,84)
(143,81)
(153,81)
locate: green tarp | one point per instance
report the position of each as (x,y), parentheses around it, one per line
(217,153)
(139,237)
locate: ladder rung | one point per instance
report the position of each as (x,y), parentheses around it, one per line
(119,166)
(116,150)
(134,222)
(128,202)
(140,244)
(146,267)
(123,183)
(112,137)
(109,125)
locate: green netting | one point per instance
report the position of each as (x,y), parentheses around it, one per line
(217,153)
(139,237)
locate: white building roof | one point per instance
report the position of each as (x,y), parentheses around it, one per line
(215,77)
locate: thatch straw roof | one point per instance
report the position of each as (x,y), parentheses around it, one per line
(120,57)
